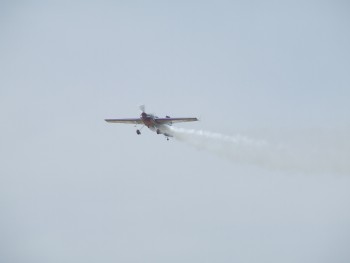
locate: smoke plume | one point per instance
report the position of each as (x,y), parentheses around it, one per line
(297,153)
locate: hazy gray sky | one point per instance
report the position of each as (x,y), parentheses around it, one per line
(76,189)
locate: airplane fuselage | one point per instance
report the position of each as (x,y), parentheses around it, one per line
(150,122)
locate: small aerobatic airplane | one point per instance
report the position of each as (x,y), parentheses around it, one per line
(154,123)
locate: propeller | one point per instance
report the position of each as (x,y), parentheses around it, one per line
(142,108)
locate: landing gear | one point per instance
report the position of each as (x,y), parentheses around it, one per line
(138,131)
(167,138)
(158,131)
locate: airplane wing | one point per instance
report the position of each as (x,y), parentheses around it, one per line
(174,120)
(127,121)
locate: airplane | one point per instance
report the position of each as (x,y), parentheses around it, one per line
(151,121)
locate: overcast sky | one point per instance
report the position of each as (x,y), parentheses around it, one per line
(74,188)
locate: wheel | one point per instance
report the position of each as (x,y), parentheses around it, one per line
(138,132)
(158,131)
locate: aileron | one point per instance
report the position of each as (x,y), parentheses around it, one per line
(174,120)
(127,121)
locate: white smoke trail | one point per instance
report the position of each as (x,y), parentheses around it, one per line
(298,156)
